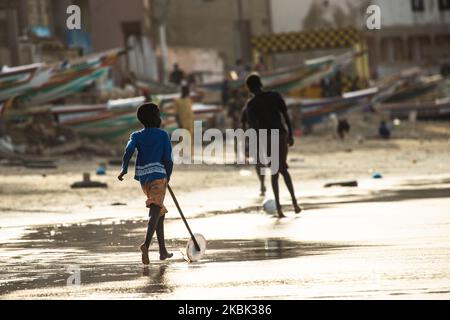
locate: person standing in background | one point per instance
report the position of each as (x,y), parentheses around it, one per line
(183,111)
(177,75)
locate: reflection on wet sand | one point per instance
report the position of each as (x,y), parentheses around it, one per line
(108,253)
(372,247)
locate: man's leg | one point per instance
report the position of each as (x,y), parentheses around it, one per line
(276,193)
(259,167)
(290,186)
(151,227)
(163,254)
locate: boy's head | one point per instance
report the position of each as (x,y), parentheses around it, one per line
(254,83)
(185,91)
(148,115)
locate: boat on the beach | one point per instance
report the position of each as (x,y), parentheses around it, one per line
(42,83)
(314,111)
(118,117)
(413,87)
(293,78)
(426,110)
(10,77)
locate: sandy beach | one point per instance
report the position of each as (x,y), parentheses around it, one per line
(386,238)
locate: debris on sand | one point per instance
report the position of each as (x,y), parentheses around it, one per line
(377,175)
(101,169)
(352,183)
(87,183)
(34,131)
(40,164)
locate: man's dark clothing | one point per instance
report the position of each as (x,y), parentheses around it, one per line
(264,111)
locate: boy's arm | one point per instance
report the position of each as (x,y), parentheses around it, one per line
(167,157)
(283,110)
(129,150)
(252,119)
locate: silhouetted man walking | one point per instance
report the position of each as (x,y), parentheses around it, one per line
(265,110)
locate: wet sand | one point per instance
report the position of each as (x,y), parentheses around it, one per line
(387,238)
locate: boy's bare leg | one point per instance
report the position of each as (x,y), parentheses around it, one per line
(261,180)
(163,253)
(277,195)
(151,227)
(290,186)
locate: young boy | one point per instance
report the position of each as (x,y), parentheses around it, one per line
(153,169)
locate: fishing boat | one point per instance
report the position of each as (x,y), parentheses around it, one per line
(314,111)
(412,88)
(117,118)
(10,77)
(426,110)
(153,87)
(295,77)
(42,83)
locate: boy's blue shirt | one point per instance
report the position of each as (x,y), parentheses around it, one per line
(154,158)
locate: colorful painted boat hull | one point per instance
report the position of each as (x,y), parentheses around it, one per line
(314,111)
(289,79)
(117,118)
(41,83)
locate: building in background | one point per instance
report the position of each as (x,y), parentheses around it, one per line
(35,31)
(158,33)
(413,32)
(294,15)
(225,26)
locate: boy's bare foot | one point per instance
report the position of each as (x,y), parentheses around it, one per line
(280,214)
(144,250)
(165,256)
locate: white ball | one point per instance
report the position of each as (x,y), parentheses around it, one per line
(191,252)
(270,206)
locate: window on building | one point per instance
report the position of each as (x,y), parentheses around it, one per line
(418,5)
(444,5)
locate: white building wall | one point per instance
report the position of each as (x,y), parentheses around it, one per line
(288,15)
(400,13)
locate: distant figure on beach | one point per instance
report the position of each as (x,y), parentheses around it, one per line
(183,110)
(383,131)
(325,88)
(355,83)
(153,170)
(337,84)
(225,92)
(239,69)
(261,65)
(177,75)
(267,110)
(235,105)
(343,128)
